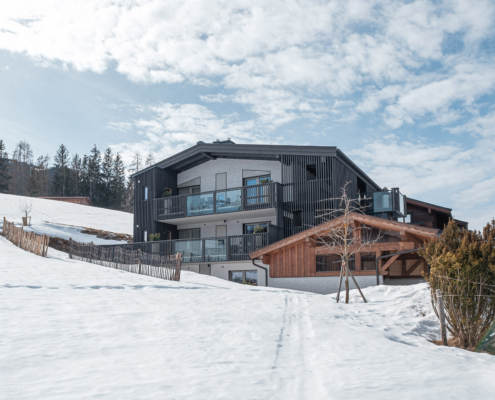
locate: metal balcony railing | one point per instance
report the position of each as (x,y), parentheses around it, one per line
(256,197)
(228,248)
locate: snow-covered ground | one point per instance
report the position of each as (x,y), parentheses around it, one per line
(73,330)
(53,218)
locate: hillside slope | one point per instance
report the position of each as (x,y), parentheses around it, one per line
(51,217)
(73,330)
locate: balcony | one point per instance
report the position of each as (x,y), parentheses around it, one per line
(391,202)
(202,205)
(207,250)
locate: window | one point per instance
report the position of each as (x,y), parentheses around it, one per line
(361,186)
(297,220)
(194,233)
(311,172)
(221,181)
(368,261)
(408,219)
(145,193)
(256,194)
(331,263)
(145,236)
(190,190)
(244,277)
(250,228)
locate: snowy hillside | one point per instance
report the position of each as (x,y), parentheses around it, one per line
(73,330)
(51,217)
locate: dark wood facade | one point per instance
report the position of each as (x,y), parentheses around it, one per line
(430,215)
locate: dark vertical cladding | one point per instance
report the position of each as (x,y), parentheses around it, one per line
(156,180)
(307,182)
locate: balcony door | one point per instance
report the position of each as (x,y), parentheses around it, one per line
(256,194)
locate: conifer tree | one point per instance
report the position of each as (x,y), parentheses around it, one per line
(150,159)
(76,167)
(84,177)
(4,169)
(136,163)
(61,176)
(118,182)
(94,175)
(107,179)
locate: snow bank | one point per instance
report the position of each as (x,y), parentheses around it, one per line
(50,217)
(73,330)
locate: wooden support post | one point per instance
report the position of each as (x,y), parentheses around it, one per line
(70,248)
(441,315)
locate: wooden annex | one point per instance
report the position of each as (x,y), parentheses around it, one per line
(300,256)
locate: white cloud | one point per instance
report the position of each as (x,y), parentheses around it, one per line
(175,127)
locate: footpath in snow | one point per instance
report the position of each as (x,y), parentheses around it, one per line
(73,330)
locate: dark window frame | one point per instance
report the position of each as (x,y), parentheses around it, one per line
(244,276)
(254,223)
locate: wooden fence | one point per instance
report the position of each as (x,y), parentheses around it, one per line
(164,267)
(28,241)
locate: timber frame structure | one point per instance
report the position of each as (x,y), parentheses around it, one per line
(297,256)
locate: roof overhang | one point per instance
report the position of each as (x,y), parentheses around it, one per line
(381,223)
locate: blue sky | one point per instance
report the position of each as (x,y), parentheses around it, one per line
(405,88)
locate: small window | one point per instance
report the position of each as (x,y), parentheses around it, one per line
(145,236)
(145,193)
(408,219)
(297,220)
(311,172)
(194,233)
(244,277)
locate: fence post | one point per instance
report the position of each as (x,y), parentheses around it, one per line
(441,314)
(139,260)
(178,260)
(70,247)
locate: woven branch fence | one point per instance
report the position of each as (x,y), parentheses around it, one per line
(163,267)
(28,241)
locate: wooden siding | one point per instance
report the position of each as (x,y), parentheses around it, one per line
(297,260)
(156,179)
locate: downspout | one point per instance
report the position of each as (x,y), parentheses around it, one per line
(259,266)
(391,255)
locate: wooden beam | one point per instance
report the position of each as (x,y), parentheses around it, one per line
(389,262)
(413,267)
(357,262)
(266,259)
(408,237)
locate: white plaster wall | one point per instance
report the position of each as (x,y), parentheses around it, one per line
(221,270)
(233,168)
(190,267)
(234,227)
(321,284)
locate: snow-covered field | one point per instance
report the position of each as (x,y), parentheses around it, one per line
(53,217)
(73,330)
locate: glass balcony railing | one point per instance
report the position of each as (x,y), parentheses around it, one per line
(388,201)
(255,197)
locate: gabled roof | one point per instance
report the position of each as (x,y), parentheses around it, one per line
(385,224)
(203,152)
(435,207)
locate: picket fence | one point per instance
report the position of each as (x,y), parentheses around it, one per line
(135,261)
(28,241)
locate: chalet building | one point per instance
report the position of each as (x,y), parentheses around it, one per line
(302,262)
(429,215)
(217,203)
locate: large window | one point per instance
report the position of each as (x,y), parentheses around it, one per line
(251,228)
(257,194)
(190,233)
(331,263)
(244,277)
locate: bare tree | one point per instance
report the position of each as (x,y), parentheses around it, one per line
(26,209)
(136,162)
(346,238)
(22,159)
